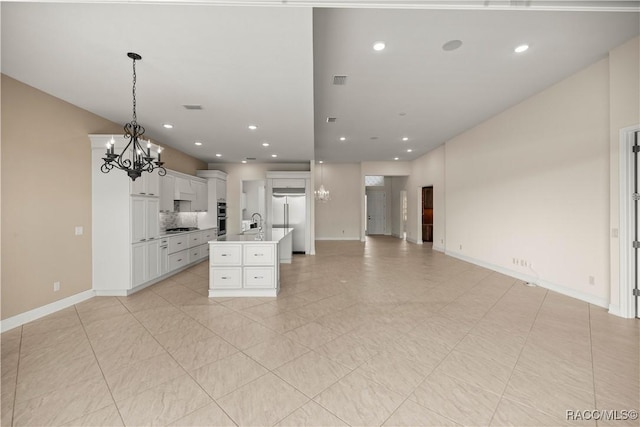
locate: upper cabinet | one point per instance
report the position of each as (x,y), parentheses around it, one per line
(221,190)
(148,184)
(200,203)
(167,191)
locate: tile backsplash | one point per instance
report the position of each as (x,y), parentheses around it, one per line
(178,219)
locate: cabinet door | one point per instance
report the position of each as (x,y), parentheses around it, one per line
(225,278)
(153,260)
(138,220)
(138,264)
(221,189)
(200,190)
(164,257)
(152,183)
(152,218)
(167,191)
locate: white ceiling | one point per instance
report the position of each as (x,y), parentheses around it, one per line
(273,67)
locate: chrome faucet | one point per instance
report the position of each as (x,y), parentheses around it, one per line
(256,214)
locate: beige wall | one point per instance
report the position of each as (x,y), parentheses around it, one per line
(46,193)
(339,218)
(624,101)
(532,183)
(181,162)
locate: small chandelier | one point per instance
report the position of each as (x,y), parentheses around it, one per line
(134,159)
(321,193)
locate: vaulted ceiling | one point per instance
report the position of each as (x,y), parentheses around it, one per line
(272,64)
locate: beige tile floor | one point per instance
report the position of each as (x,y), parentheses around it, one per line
(382,333)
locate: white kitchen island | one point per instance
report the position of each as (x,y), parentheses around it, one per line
(246,266)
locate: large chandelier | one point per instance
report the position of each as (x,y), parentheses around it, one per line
(134,159)
(321,193)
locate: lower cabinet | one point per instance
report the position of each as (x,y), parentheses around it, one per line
(243,269)
(145,262)
(159,257)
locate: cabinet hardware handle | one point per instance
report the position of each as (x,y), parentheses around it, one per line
(258,254)
(258,277)
(151,194)
(142,240)
(224,255)
(226,277)
(143,193)
(180,260)
(179,243)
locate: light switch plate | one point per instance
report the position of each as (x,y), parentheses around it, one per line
(79,231)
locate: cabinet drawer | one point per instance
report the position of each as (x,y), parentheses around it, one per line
(204,251)
(258,254)
(288,183)
(194,239)
(207,235)
(226,278)
(258,277)
(194,254)
(226,255)
(178,243)
(178,259)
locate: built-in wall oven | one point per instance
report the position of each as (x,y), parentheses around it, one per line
(222,219)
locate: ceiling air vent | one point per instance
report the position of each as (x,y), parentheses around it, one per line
(250,158)
(331,119)
(339,80)
(193,107)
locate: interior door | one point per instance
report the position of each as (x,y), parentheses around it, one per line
(376,212)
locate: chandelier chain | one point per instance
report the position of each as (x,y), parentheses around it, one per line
(134,93)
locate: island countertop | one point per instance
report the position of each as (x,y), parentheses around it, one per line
(270,235)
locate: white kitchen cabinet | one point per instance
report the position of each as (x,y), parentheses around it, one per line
(167,192)
(178,260)
(194,254)
(242,267)
(200,204)
(148,184)
(145,262)
(144,219)
(289,183)
(127,251)
(221,190)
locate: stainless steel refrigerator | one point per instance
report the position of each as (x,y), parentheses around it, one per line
(289,210)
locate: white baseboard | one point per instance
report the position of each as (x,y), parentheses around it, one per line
(337,238)
(438,248)
(412,240)
(36,313)
(601,302)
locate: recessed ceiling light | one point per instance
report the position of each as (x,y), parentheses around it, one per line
(521,48)
(265,144)
(396,158)
(167,126)
(405,138)
(451,45)
(320,161)
(379,46)
(218,155)
(342,138)
(253,127)
(374,137)
(244,161)
(409,150)
(198,143)
(274,155)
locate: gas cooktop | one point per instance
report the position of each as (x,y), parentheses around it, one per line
(180,229)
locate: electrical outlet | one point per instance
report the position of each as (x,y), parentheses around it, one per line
(460,247)
(56,286)
(79,230)
(442,241)
(592,280)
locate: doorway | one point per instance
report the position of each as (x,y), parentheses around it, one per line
(376,212)
(427,214)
